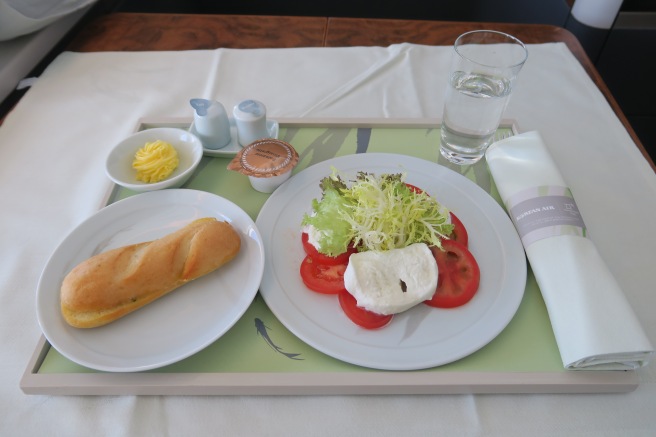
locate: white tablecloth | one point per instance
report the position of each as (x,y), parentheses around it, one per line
(52,149)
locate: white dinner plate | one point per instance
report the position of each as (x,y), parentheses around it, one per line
(422,337)
(176,325)
(234,147)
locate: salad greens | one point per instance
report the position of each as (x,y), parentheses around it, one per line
(375,213)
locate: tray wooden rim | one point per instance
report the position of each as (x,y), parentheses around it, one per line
(318,383)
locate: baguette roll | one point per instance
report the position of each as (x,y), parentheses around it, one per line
(112,284)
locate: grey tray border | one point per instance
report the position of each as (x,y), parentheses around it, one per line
(320,383)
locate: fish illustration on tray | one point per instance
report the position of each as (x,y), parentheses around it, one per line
(262,330)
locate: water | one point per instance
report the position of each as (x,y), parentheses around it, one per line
(473,110)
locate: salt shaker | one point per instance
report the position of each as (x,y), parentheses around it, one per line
(211,123)
(250,118)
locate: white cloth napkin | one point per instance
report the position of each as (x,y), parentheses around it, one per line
(594,325)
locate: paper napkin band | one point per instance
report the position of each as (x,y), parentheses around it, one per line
(594,325)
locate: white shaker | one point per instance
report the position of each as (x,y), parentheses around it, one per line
(211,123)
(250,118)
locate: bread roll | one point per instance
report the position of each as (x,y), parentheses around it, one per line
(112,284)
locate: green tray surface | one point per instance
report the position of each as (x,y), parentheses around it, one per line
(527,344)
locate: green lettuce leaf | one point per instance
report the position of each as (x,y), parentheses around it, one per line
(375,213)
(329,218)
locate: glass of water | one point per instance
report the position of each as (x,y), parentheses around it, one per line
(484,66)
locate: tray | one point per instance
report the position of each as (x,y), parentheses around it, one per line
(524,358)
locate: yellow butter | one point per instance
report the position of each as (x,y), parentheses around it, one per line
(155,161)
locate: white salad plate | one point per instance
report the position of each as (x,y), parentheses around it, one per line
(422,337)
(176,325)
(272,126)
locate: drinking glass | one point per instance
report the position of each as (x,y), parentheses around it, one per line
(484,66)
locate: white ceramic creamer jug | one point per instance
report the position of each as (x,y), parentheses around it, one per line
(250,118)
(211,123)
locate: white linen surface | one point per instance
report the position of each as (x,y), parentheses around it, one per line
(52,149)
(594,325)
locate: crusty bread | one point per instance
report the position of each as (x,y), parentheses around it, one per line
(112,284)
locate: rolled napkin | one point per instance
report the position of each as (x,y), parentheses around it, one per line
(594,325)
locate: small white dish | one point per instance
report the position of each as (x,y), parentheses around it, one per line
(234,147)
(119,161)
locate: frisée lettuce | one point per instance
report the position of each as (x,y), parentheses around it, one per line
(375,213)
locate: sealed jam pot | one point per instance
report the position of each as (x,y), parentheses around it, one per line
(267,163)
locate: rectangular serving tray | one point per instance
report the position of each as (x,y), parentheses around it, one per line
(524,358)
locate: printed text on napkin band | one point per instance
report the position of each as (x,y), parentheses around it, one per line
(544,212)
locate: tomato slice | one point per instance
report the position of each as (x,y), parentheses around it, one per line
(323,278)
(458,275)
(361,316)
(325,259)
(415,189)
(459,233)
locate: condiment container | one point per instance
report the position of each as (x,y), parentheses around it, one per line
(211,123)
(250,119)
(267,163)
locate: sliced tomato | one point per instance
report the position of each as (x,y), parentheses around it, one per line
(458,275)
(459,233)
(415,189)
(323,278)
(360,316)
(325,259)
